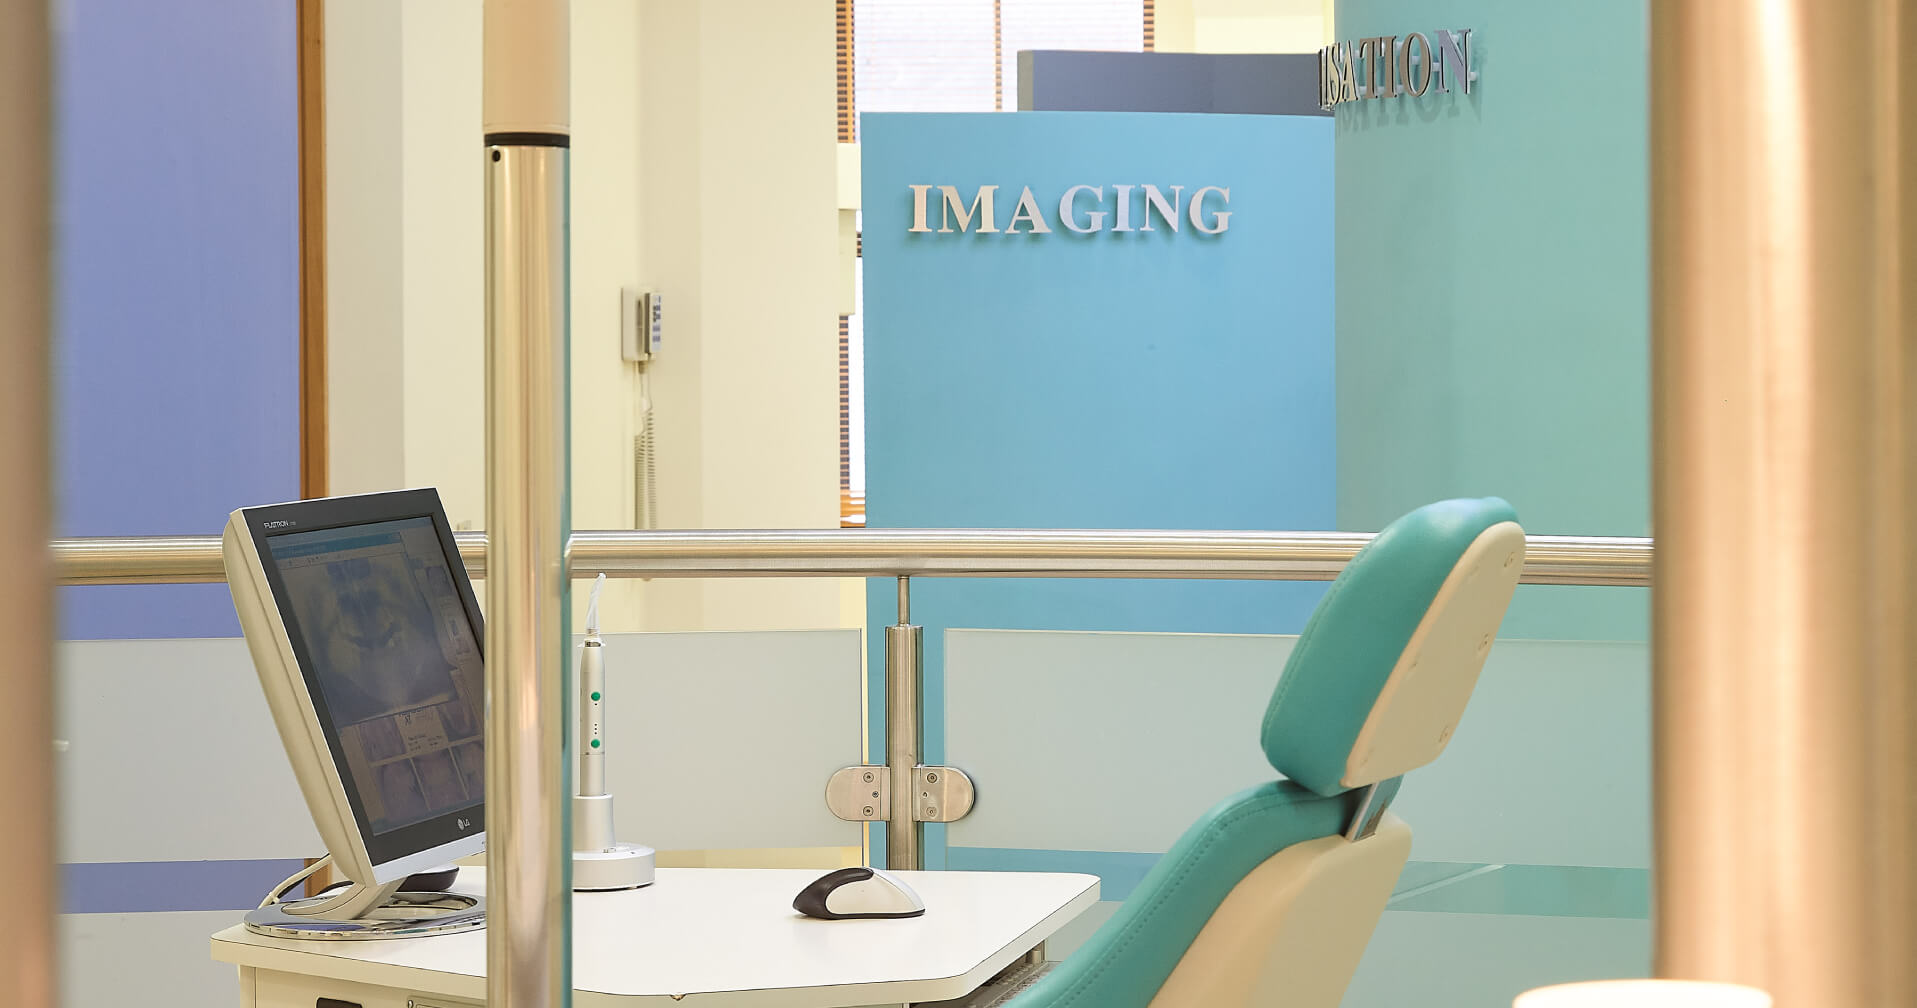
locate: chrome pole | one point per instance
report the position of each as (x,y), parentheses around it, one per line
(904,734)
(1784,210)
(27,943)
(529,851)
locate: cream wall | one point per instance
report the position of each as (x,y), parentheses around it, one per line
(405,366)
(739,196)
(606,230)
(364,273)
(703,167)
(442,242)
(1240,26)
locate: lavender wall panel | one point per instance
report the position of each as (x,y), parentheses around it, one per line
(177,253)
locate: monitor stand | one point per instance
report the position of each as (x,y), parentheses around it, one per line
(358,912)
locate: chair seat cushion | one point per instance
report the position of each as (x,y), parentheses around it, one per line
(1127,960)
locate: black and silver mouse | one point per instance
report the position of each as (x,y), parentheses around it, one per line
(858,894)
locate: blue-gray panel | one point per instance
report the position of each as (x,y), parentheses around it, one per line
(176,363)
(1051,80)
(169,886)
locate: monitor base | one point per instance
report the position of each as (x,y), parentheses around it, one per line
(402,915)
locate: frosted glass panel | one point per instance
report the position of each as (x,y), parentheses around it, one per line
(1551,764)
(725,740)
(1464,960)
(1094,751)
(171,755)
(1102,741)
(1144,731)
(157,960)
(178,808)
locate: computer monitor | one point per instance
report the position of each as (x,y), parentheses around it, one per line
(369,646)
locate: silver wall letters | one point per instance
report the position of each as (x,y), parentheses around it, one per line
(1081,209)
(1096,218)
(981,205)
(1394,66)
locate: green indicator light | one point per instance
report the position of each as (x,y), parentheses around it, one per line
(595,696)
(595,743)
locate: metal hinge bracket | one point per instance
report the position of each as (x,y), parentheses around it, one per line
(864,794)
(940,794)
(860,794)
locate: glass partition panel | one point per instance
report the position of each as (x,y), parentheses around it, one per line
(1530,862)
(177,376)
(179,809)
(721,743)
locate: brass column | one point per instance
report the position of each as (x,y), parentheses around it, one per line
(1785,427)
(26,568)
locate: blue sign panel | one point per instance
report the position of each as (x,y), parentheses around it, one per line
(1097,320)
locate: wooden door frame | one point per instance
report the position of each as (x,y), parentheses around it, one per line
(312,231)
(312,236)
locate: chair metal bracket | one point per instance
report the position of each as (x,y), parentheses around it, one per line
(1364,819)
(864,794)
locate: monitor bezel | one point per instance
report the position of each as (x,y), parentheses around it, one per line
(269,521)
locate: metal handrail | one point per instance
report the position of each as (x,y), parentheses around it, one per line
(1280,556)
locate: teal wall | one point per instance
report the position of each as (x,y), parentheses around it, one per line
(1492,286)
(1171,380)
(1493,337)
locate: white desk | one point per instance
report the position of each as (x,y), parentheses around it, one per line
(714,937)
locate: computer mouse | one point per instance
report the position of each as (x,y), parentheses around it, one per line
(858,894)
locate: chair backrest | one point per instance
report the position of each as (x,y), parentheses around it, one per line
(1272,895)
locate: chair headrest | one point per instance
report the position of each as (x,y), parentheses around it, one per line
(1381,674)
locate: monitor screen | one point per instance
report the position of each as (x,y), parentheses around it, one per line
(380,622)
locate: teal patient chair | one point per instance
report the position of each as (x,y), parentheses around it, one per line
(1270,898)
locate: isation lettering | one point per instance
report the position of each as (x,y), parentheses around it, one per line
(1081,209)
(1386,66)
